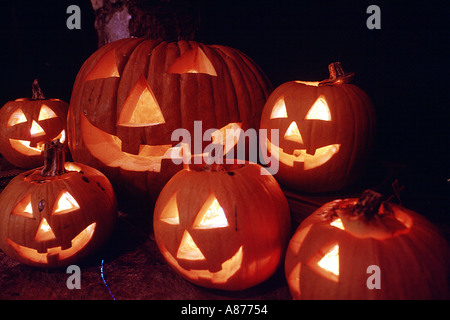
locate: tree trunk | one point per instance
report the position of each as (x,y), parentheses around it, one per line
(169,20)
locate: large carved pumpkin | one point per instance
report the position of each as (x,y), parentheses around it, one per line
(324,132)
(339,253)
(130,96)
(225,228)
(27,124)
(57,214)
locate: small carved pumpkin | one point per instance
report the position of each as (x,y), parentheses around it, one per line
(26,125)
(390,253)
(324,128)
(56,215)
(130,95)
(224,228)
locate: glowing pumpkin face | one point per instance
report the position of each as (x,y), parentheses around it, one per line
(132,94)
(324,133)
(329,255)
(222,229)
(27,124)
(56,221)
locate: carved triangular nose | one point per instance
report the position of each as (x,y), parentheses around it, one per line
(188,249)
(293,134)
(44,232)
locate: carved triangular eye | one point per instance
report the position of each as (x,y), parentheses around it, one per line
(326,262)
(16,117)
(46,113)
(293,134)
(140,108)
(188,249)
(279,109)
(106,67)
(170,213)
(319,110)
(193,61)
(211,215)
(24,208)
(66,203)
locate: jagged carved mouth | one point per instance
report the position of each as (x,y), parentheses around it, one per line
(108,149)
(229,268)
(77,244)
(25,146)
(310,161)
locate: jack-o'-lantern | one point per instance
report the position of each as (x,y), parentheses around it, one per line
(324,132)
(131,94)
(340,252)
(57,214)
(224,227)
(26,125)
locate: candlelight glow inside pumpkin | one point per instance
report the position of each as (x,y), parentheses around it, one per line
(330,252)
(324,129)
(214,238)
(29,123)
(57,219)
(193,61)
(318,111)
(37,134)
(132,94)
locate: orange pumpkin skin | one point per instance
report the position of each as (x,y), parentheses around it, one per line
(237,249)
(10,147)
(235,94)
(408,249)
(325,134)
(76,232)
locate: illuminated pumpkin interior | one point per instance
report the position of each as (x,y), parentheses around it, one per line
(66,203)
(293,134)
(140,108)
(23,207)
(326,263)
(77,243)
(228,269)
(188,249)
(321,155)
(193,61)
(36,129)
(337,223)
(211,216)
(170,214)
(105,68)
(108,149)
(25,146)
(70,166)
(16,117)
(330,261)
(279,109)
(46,113)
(44,232)
(318,111)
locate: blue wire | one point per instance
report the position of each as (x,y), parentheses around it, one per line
(103,278)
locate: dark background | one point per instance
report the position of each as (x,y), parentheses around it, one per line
(403,67)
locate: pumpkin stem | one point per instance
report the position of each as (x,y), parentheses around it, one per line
(36,90)
(368,204)
(54,158)
(337,75)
